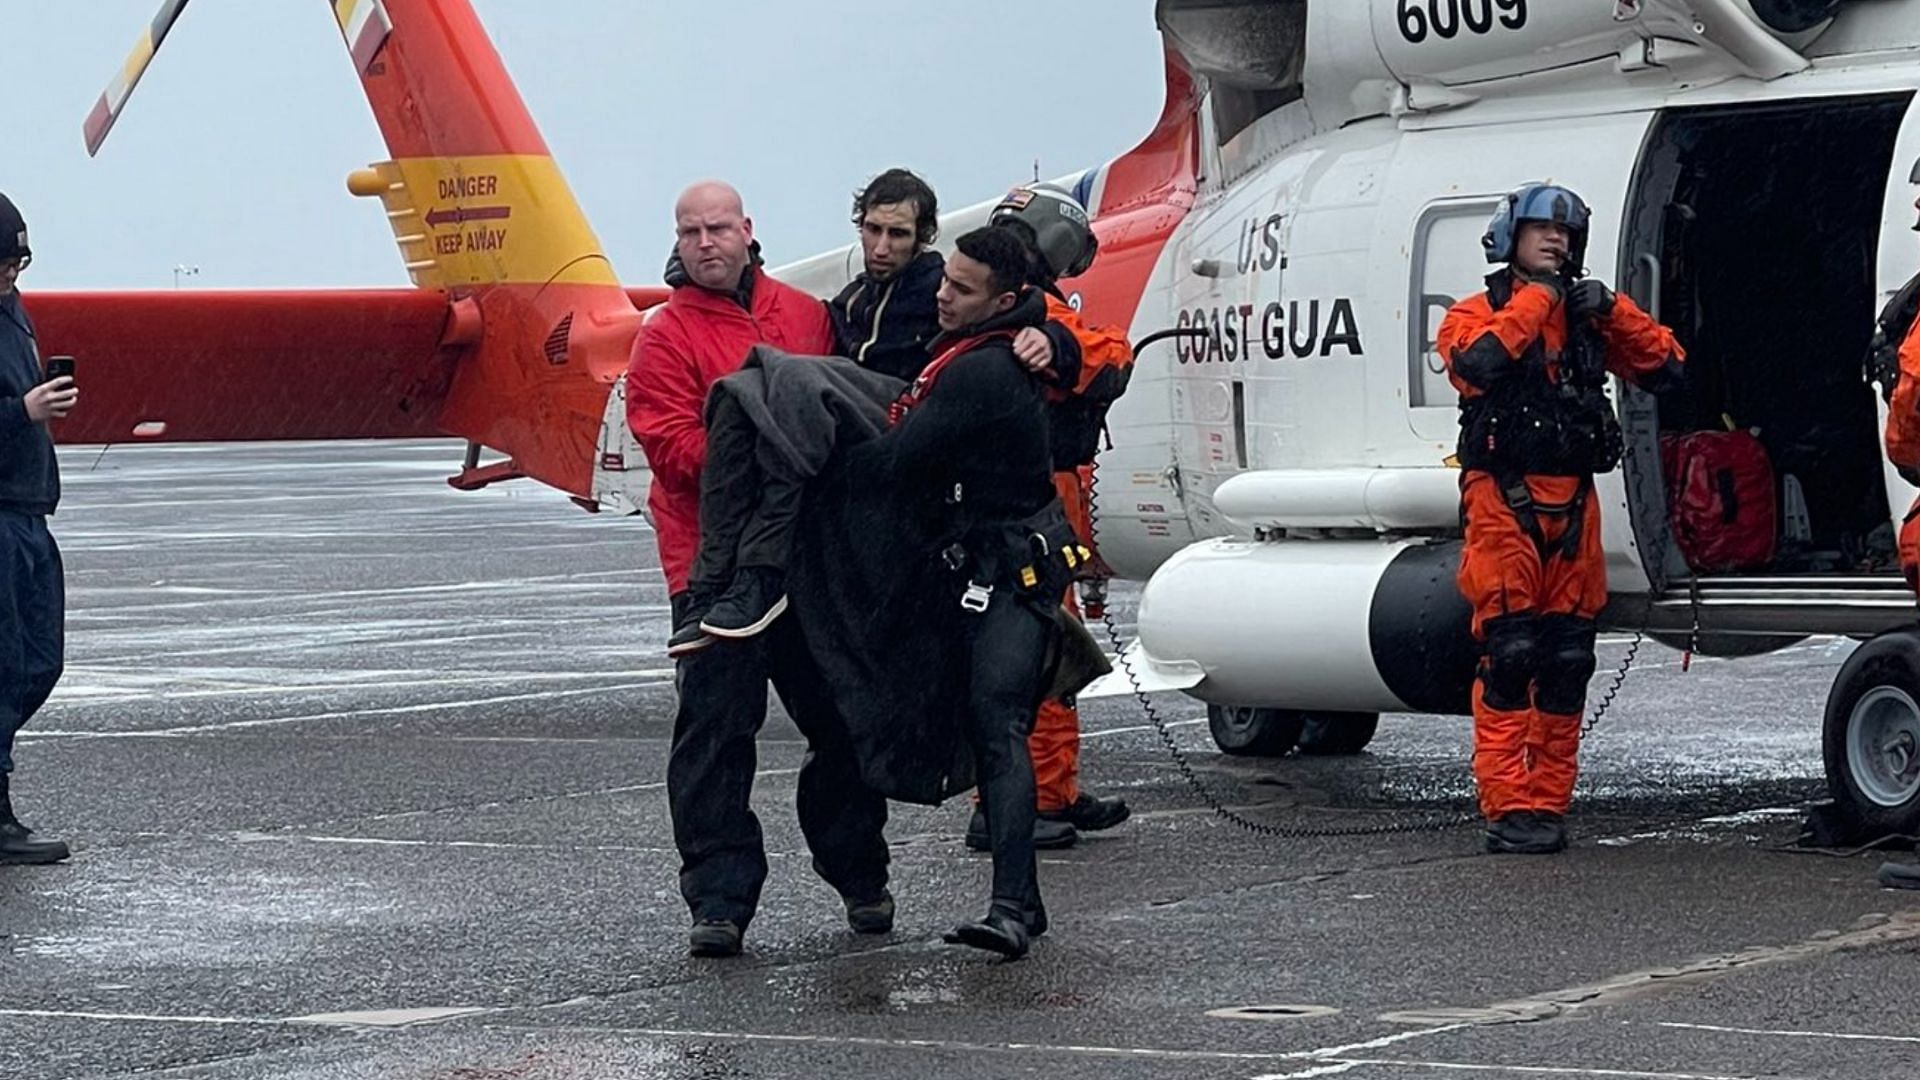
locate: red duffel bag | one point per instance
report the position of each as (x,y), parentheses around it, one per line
(1720,499)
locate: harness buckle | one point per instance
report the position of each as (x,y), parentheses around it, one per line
(977,597)
(954,557)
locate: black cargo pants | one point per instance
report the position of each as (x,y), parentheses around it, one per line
(710,772)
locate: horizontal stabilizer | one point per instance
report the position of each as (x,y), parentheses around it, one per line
(193,366)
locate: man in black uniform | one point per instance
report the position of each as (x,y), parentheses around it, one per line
(32,583)
(930,557)
(975,424)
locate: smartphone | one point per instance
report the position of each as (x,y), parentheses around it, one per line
(58,366)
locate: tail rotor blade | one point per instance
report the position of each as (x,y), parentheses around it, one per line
(114,99)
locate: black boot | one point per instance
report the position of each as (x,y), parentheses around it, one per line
(714,939)
(1048,834)
(870,916)
(1554,826)
(1522,833)
(1091,814)
(1035,916)
(17,845)
(999,932)
(1895,875)
(757,597)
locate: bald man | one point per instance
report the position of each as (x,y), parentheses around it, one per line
(722,305)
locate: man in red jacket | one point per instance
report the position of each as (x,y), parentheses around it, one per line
(725,306)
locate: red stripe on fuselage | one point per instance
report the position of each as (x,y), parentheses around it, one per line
(1148,192)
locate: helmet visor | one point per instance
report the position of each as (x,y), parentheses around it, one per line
(1553,204)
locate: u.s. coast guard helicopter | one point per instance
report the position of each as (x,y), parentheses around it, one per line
(1284,243)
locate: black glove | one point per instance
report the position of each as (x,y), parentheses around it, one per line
(1589,299)
(1670,377)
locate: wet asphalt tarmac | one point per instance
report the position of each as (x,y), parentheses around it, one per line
(364,778)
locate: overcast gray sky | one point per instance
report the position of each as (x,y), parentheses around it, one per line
(234,153)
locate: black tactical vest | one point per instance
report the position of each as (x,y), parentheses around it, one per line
(1527,424)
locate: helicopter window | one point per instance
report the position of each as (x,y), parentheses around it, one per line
(1447,266)
(1914,178)
(1252,53)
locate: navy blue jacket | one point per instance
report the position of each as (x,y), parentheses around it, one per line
(29,475)
(886,326)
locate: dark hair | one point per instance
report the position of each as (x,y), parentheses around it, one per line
(1003,254)
(898,186)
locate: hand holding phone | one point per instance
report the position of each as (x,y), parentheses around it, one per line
(51,400)
(59,367)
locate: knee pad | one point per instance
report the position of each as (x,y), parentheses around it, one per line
(1566,663)
(1512,656)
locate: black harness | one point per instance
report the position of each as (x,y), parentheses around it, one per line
(1890,332)
(1519,500)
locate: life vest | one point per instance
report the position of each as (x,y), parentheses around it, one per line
(922,385)
(1547,418)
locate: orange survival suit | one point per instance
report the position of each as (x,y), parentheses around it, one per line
(1105,360)
(1532,437)
(1903,445)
